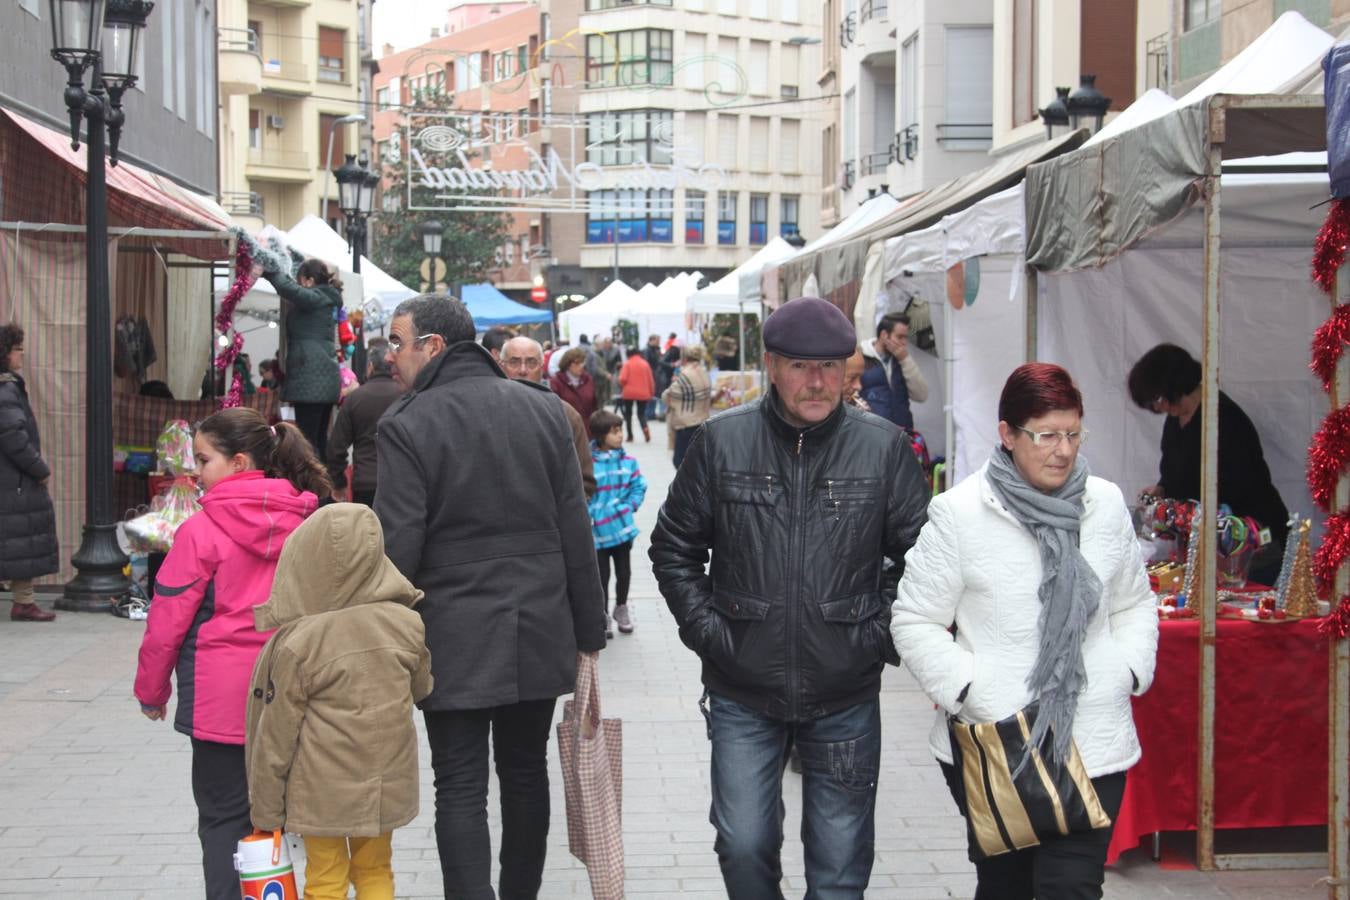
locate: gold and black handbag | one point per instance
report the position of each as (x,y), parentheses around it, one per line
(1006,812)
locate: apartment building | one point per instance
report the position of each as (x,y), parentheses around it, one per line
(481,71)
(697,120)
(1205,34)
(1041,45)
(290,74)
(170,113)
(915,80)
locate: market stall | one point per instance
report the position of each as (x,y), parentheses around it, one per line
(490,307)
(163,243)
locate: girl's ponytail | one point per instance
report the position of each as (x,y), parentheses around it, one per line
(293,458)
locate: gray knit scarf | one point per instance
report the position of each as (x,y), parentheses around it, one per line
(1070,593)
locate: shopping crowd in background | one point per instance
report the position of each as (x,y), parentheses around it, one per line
(799,548)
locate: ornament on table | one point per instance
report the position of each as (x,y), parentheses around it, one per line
(1300,595)
(1190,582)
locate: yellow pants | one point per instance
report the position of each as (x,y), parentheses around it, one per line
(334,862)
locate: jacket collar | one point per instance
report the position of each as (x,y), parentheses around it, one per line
(463,359)
(810,438)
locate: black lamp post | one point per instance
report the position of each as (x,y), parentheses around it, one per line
(1056,112)
(433,233)
(1086,102)
(102,35)
(356,192)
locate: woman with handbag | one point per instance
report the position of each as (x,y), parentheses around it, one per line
(1036,564)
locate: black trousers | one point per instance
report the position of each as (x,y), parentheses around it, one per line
(1071,867)
(623,571)
(628,407)
(312,419)
(366,497)
(220,787)
(459,757)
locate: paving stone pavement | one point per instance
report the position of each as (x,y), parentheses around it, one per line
(95,801)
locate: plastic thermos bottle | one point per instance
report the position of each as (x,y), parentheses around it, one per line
(264,864)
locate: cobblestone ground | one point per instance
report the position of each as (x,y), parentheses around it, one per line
(95,801)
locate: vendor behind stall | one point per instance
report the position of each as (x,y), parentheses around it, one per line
(1166,380)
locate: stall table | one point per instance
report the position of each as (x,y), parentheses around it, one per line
(1270,746)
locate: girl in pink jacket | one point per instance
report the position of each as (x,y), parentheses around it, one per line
(260,483)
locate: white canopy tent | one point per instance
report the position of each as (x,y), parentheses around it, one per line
(726,295)
(312,237)
(598,314)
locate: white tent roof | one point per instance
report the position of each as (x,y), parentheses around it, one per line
(873,210)
(312,237)
(1268,63)
(724,294)
(1149,105)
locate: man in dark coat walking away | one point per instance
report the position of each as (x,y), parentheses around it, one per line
(27,519)
(496,533)
(797,497)
(355,426)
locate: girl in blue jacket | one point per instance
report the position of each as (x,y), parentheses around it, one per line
(619,489)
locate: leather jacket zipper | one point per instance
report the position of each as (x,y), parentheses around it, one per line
(798,521)
(801,436)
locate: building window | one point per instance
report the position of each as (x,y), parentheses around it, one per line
(728,136)
(326,126)
(789,145)
(468,71)
(969,64)
(523,58)
(615,4)
(726,217)
(850,125)
(638,216)
(789,206)
(630,137)
(1198,12)
(694,202)
(624,58)
(728,7)
(332,54)
(759,219)
(523,120)
(382,99)
(789,70)
(255,129)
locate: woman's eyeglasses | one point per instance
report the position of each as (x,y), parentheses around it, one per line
(1046,439)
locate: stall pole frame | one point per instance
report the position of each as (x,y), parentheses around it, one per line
(1338,696)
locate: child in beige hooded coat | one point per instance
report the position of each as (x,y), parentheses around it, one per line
(332,750)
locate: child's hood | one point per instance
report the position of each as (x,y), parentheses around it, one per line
(257,512)
(335,560)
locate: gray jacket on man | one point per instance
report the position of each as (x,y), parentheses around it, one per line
(481,502)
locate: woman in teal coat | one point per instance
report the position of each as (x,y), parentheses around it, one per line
(312,382)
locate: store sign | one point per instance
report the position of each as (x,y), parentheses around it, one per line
(458,162)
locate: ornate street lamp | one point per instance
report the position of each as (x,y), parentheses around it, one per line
(1086,102)
(102,35)
(354,192)
(1056,112)
(433,267)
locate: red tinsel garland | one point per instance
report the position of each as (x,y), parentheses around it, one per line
(1329,343)
(1332,240)
(1337,625)
(244,279)
(1333,551)
(1328,456)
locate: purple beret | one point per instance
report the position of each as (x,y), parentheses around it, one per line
(809,328)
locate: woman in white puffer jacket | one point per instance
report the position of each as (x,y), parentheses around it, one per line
(1078,636)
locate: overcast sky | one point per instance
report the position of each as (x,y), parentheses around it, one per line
(406,23)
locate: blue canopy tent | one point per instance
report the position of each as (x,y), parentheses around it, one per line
(490,307)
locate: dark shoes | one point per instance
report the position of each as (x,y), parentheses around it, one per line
(647,433)
(29,612)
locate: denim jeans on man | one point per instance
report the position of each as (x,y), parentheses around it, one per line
(840,754)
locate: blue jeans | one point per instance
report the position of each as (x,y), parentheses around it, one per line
(840,756)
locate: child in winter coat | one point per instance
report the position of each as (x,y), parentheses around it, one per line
(332,751)
(619,489)
(260,482)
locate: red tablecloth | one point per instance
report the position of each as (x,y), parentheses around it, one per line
(1270,750)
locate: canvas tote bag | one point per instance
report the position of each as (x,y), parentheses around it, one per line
(591,751)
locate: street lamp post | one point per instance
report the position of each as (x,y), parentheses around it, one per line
(356,192)
(103,37)
(328,159)
(1086,102)
(433,267)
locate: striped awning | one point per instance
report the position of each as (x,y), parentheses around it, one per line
(36,163)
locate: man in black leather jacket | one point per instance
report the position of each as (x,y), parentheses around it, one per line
(797,498)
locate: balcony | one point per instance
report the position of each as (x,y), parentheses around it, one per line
(965,136)
(278,164)
(242,203)
(875,163)
(874,31)
(287,74)
(848,30)
(848,175)
(906,146)
(241,66)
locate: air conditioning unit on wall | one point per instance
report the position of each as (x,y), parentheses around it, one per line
(276,122)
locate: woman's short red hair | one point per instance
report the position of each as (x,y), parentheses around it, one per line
(1035,389)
